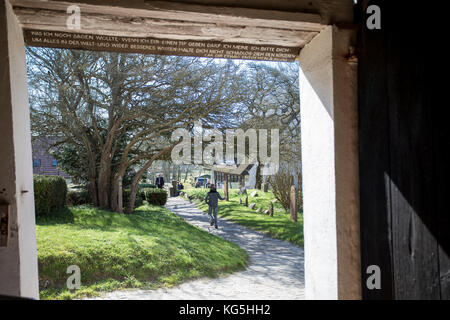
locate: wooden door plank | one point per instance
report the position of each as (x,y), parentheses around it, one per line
(414,221)
(374,160)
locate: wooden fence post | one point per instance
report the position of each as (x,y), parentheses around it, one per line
(227,198)
(293,203)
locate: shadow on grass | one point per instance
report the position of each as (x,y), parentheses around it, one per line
(63,216)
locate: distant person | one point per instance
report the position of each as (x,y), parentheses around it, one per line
(180,186)
(197,184)
(159,181)
(212,199)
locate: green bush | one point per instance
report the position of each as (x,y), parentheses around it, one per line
(78,197)
(142,192)
(50,194)
(126,198)
(143,186)
(147,185)
(156,196)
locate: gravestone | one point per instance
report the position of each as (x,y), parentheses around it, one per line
(240,201)
(242,190)
(254,194)
(271,209)
(266,212)
(258,210)
(252,205)
(264,187)
(246,201)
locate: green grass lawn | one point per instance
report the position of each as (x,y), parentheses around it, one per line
(279,226)
(148,249)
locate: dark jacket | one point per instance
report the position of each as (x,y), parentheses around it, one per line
(160,182)
(212,198)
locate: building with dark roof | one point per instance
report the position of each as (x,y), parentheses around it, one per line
(43,162)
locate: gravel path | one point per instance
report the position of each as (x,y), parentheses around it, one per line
(275,270)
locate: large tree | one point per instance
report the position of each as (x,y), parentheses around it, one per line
(273,102)
(117,111)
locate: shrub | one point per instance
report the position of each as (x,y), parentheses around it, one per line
(49,194)
(142,192)
(78,197)
(281,183)
(126,198)
(156,196)
(143,186)
(147,185)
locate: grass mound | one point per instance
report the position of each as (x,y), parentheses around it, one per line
(150,248)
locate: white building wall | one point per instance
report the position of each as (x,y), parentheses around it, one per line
(329,168)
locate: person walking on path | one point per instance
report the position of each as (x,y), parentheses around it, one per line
(212,199)
(160,181)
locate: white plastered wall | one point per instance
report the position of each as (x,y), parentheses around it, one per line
(18,261)
(330,167)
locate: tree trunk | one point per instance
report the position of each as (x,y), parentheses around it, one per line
(107,153)
(138,175)
(186,172)
(103,197)
(114,195)
(120,194)
(258,178)
(104,182)
(166,170)
(116,192)
(92,177)
(93,190)
(134,188)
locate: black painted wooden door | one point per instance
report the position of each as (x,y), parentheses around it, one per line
(403,147)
